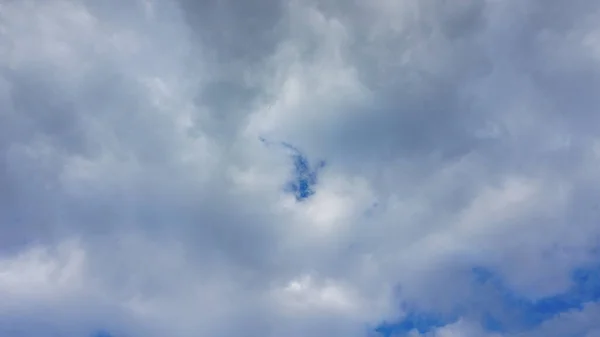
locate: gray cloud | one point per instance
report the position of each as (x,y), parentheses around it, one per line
(136,197)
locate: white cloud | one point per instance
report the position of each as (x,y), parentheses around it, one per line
(136,197)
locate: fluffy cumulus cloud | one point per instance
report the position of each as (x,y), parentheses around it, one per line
(299,168)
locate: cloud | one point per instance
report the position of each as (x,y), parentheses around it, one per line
(459,196)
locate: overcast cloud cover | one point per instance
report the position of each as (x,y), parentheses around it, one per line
(299,168)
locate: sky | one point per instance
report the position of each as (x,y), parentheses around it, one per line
(296,168)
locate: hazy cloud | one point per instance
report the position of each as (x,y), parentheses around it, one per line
(162,168)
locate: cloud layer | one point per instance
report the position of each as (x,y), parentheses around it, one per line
(299,168)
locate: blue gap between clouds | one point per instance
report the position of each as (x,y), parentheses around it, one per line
(528,314)
(101,333)
(304,177)
(422,322)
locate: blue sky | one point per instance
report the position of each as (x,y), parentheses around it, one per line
(299,168)
(524,314)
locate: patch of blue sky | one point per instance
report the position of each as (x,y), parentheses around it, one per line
(304,176)
(422,322)
(491,323)
(521,313)
(101,333)
(527,314)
